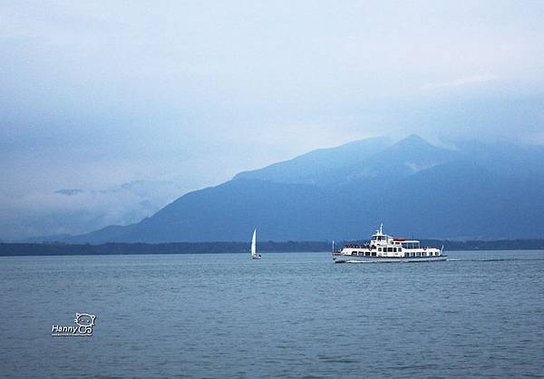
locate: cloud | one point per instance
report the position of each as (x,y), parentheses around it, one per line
(468,80)
(74,211)
(69,192)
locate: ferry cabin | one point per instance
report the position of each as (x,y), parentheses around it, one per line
(383,245)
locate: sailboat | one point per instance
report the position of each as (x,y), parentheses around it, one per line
(254,254)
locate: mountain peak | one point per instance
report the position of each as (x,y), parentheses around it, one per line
(413,140)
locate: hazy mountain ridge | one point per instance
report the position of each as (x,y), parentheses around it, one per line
(415,188)
(322,166)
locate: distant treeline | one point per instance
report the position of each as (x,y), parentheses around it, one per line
(57,248)
(54,248)
(518,244)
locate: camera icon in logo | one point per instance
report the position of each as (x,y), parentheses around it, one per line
(85,319)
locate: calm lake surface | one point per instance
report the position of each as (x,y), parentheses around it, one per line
(287,315)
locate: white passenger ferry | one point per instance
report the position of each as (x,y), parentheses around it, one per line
(384,248)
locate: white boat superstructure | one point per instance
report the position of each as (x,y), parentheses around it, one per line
(385,248)
(254,253)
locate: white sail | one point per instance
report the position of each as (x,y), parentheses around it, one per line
(254,244)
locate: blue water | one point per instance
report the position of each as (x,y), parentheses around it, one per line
(287,315)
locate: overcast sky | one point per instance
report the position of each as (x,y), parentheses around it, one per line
(130,104)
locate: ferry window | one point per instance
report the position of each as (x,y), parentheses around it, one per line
(379,249)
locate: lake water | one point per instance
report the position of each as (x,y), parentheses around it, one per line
(287,315)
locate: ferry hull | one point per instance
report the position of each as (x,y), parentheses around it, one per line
(356,259)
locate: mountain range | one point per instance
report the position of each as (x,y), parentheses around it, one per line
(470,190)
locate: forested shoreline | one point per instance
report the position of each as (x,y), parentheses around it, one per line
(54,248)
